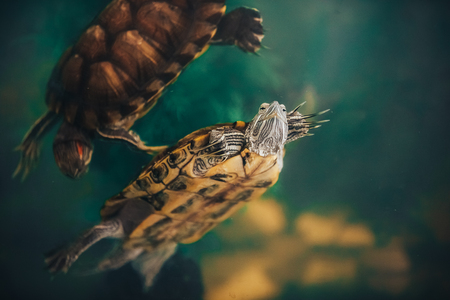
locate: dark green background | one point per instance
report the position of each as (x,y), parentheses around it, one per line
(382,67)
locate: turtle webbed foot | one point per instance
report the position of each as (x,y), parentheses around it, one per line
(30,156)
(251,34)
(60,260)
(241,27)
(31,144)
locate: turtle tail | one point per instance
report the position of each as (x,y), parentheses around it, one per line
(31,144)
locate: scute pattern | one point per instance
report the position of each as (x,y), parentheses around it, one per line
(92,44)
(176,158)
(135,56)
(124,60)
(116,17)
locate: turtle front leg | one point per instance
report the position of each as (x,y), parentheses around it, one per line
(298,125)
(61,260)
(241,27)
(129,136)
(31,144)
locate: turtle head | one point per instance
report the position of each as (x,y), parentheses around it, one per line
(72,148)
(267,132)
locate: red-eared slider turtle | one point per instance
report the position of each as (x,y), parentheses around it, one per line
(190,188)
(119,67)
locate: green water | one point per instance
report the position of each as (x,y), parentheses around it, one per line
(364,204)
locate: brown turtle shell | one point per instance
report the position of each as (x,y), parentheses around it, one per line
(186,206)
(122,62)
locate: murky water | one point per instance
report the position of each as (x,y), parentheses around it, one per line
(361,209)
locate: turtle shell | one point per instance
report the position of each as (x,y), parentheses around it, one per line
(122,62)
(186,205)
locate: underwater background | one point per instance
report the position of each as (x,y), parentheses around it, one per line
(361,209)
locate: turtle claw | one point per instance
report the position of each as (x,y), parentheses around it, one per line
(241,27)
(59,261)
(31,144)
(153,150)
(28,160)
(251,31)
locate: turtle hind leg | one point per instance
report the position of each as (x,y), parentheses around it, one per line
(31,144)
(129,136)
(241,27)
(61,259)
(118,259)
(149,263)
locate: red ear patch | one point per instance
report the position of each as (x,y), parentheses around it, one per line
(80,149)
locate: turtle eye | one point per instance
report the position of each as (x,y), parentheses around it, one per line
(263,106)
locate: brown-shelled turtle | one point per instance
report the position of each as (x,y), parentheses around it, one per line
(119,67)
(188,189)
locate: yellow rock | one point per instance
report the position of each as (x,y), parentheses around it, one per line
(249,283)
(327,269)
(267,215)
